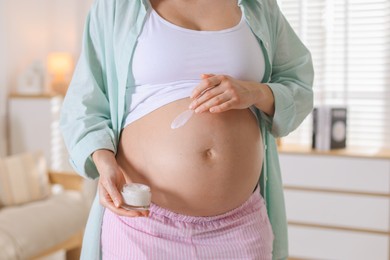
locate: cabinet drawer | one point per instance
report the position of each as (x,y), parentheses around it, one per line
(351,211)
(315,243)
(341,173)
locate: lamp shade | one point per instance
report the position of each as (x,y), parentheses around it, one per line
(60,66)
(59,63)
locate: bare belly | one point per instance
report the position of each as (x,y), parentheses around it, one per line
(206,167)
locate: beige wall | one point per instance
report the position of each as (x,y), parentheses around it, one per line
(29,30)
(3,80)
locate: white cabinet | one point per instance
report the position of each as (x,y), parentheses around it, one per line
(338,207)
(33,125)
(321,243)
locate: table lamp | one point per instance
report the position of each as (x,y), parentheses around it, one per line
(59,65)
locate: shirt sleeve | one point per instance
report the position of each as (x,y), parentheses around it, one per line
(85,116)
(291,78)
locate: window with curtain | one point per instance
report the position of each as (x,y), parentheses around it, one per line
(350,44)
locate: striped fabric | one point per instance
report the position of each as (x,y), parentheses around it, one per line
(243,233)
(23,178)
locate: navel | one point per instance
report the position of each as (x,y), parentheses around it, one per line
(209,154)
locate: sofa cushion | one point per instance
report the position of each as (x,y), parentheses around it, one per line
(7,247)
(32,228)
(23,178)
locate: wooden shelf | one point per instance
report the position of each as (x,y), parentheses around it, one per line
(69,180)
(41,95)
(359,152)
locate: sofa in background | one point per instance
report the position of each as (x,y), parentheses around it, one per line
(55,221)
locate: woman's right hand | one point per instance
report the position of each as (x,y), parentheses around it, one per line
(111,181)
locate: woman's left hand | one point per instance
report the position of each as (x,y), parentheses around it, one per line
(219,93)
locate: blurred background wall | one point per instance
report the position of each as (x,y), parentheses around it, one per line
(2,79)
(29,31)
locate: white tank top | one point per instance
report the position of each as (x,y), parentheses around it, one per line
(169,60)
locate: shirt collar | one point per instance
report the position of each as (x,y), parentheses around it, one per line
(145,4)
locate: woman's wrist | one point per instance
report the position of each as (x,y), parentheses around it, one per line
(264,99)
(104,158)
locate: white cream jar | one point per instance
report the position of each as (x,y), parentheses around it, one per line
(136,196)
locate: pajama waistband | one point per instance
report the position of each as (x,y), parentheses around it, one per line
(250,205)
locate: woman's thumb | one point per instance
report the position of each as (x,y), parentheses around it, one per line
(205,76)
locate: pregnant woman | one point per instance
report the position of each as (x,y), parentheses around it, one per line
(215,181)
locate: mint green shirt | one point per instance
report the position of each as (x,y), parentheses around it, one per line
(94,106)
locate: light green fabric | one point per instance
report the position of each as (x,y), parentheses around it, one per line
(94,106)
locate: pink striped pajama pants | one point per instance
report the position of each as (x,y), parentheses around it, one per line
(242,233)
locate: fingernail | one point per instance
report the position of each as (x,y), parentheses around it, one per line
(197,110)
(191,106)
(116,203)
